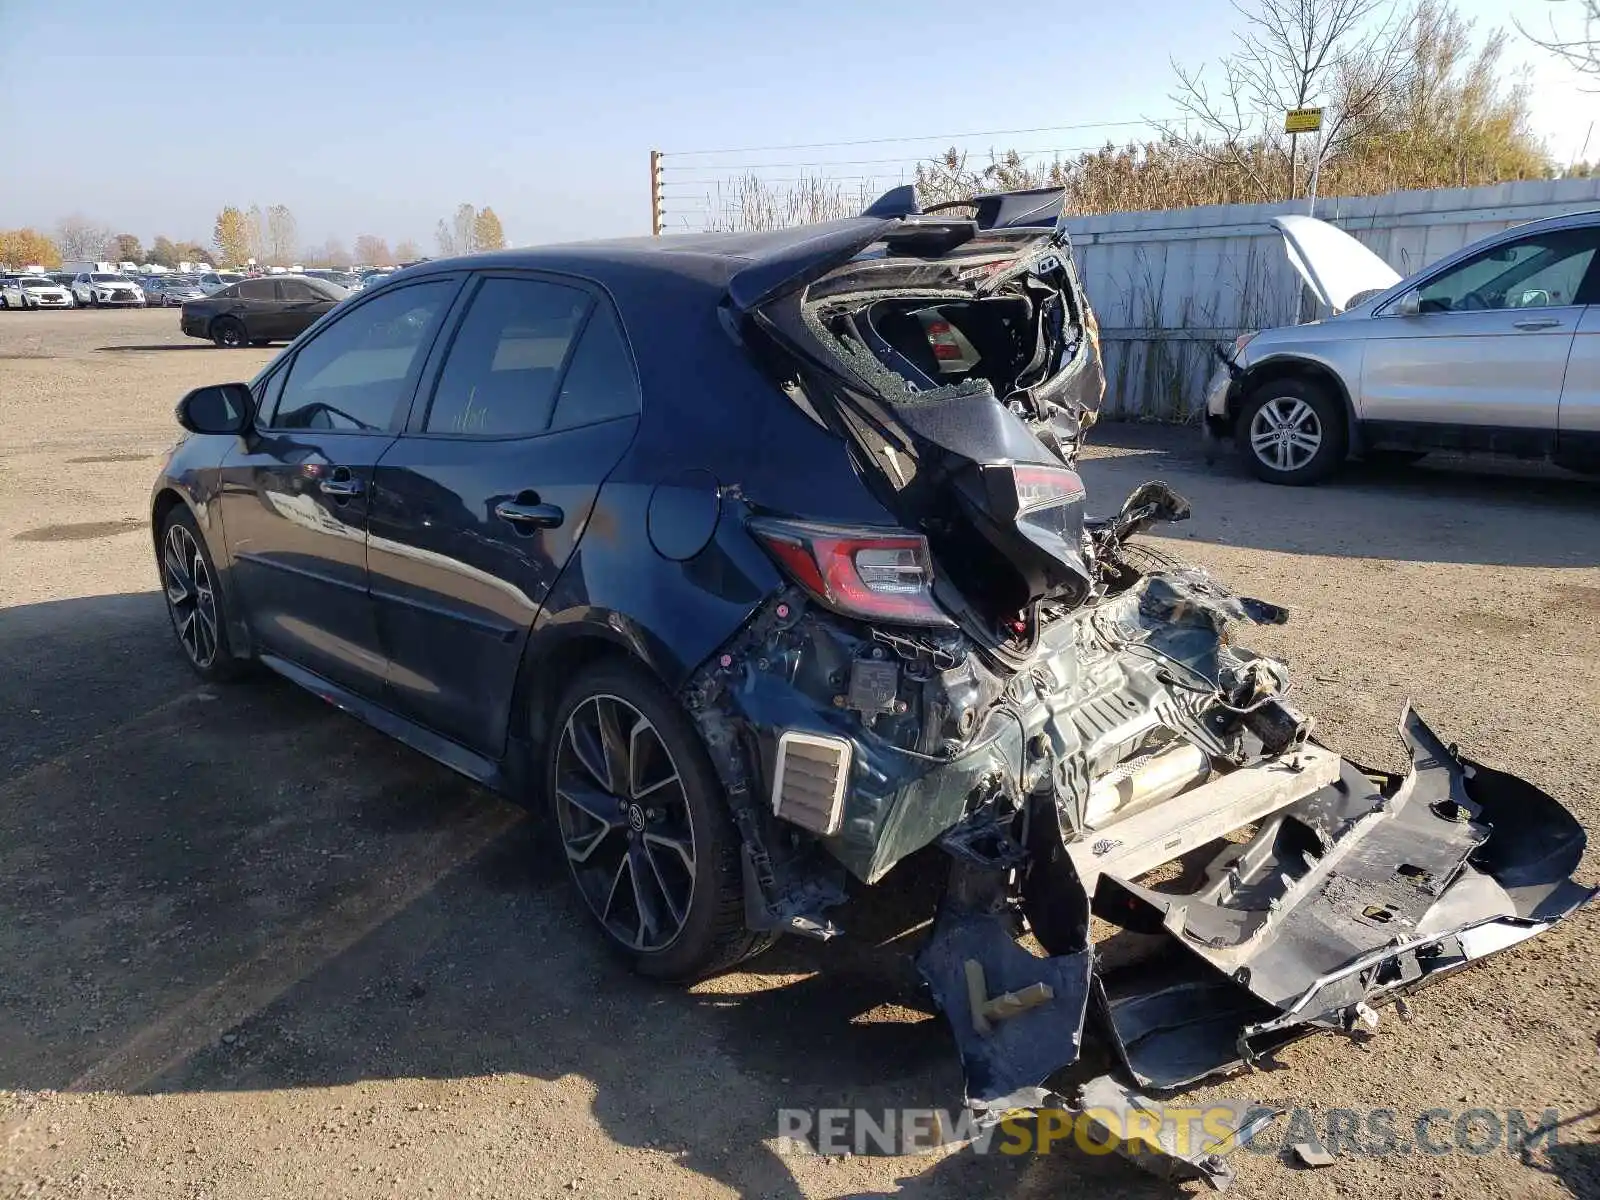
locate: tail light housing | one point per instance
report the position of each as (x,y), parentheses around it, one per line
(873,574)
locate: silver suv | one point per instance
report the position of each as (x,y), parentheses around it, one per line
(1495,348)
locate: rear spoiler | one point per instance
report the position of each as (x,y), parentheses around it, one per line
(894,218)
(1034,207)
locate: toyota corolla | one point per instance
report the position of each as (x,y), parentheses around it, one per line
(760,562)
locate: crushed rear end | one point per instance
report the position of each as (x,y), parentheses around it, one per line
(1063,712)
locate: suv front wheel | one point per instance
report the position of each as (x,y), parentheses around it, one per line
(1291,431)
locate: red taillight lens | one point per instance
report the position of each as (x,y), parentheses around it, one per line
(1044,487)
(866,573)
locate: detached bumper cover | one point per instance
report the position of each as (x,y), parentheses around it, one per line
(1339,903)
(1344,899)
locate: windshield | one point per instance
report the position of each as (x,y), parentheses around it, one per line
(36,281)
(229,276)
(99,278)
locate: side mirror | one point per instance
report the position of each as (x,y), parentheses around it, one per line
(1410,304)
(218,408)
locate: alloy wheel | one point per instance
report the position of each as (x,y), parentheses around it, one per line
(624,821)
(190,595)
(1286,433)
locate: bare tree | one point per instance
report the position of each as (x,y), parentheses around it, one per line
(1579,44)
(282,235)
(80,238)
(372,251)
(459,234)
(406,250)
(255,234)
(1345,55)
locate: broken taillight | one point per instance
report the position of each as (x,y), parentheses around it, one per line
(873,574)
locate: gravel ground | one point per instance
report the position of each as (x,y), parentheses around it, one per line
(252,949)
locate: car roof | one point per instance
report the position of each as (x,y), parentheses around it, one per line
(706,258)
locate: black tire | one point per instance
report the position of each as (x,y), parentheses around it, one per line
(229,333)
(711,935)
(4,303)
(94,301)
(193,594)
(1309,412)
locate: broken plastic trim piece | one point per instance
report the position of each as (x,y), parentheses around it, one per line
(1162,1142)
(1341,901)
(1017,1018)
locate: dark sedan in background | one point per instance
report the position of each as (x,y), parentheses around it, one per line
(254,312)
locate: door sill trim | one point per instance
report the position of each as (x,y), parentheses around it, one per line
(441,749)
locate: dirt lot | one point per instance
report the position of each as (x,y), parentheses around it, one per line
(252,949)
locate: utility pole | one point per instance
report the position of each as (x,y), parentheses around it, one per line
(655,193)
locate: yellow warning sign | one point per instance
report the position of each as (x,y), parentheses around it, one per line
(1302,120)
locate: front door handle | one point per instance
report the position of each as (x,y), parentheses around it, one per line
(528,517)
(341,484)
(1536,323)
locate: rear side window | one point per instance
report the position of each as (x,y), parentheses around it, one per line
(500,376)
(296,289)
(255,289)
(600,384)
(354,373)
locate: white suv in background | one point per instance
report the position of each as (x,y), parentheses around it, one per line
(1494,348)
(92,289)
(212,282)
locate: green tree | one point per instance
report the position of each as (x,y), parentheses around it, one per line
(193,252)
(486,231)
(233,237)
(162,252)
(125,247)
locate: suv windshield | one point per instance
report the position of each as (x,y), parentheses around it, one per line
(99,278)
(36,281)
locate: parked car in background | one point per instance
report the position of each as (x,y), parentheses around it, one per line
(1494,348)
(94,289)
(63,278)
(167,291)
(215,281)
(254,312)
(33,291)
(371,279)
(344,279)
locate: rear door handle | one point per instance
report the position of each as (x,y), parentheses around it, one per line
(528,517)
(1536,323)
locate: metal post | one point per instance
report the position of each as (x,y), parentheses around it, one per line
(1316,167)
(655,193)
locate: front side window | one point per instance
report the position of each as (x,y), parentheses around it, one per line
(296,289)
(500,376)
(1542,271)
(353,374)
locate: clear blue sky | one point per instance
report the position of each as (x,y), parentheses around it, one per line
(379,116)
